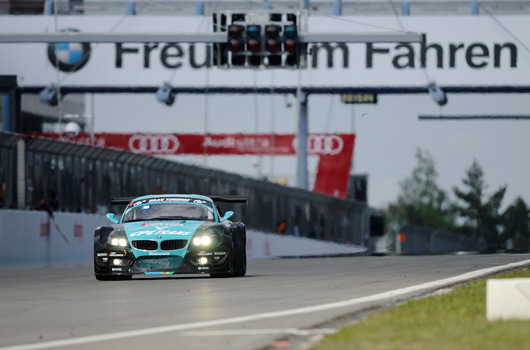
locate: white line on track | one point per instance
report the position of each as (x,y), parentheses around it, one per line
(267,315)
(292,331)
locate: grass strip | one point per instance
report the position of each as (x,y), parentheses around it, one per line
(456,320)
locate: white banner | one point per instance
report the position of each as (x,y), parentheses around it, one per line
(457,51)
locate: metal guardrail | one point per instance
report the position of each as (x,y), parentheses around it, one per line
(80,178)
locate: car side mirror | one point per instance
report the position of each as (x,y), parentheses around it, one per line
(112,217)
(227,215)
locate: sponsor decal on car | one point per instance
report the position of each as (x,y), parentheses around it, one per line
(117,254)
(159,232)
(204,268)
(203,253)
(160,227)
(168,200)
(117,269)
(158,253)
(219,253)
(102,254)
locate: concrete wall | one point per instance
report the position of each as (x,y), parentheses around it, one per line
(31,239)
(412,240)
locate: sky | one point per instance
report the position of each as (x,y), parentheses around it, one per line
(388,134)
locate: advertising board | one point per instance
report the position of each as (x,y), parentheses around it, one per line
(455,51)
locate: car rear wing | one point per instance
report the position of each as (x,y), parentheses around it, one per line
(121,200)
(223,199)
(229,199)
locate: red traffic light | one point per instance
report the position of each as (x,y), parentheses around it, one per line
(272,45)
(290,45)
(253,45)
(234,45)
(235,31)
(235,35)
(272,31)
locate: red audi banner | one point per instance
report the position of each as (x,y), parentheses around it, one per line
(335,150)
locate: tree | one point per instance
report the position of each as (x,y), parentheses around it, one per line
(421,202)
(480,214)
(517,225)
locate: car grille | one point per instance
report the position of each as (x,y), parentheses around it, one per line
(173,244)
(159,263)
(145,244)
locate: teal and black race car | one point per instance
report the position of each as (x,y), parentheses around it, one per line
(169,234)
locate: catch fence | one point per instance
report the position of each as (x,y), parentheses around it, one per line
(81,178)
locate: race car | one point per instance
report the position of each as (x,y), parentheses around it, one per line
(170,234)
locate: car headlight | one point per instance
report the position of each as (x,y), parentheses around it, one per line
(116,239)
(202,240)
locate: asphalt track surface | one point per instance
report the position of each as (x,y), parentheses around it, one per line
(66,308)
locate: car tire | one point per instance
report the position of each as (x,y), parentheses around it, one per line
(223,274)
(239,252)
(230,272)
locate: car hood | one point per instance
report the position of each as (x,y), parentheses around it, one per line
(161,230)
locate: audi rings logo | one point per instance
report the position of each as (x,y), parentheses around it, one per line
(323,144)
(154,144)
(69,57)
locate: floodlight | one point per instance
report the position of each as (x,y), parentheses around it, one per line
(49,95)
(72,129)
(437,94)
(165,94)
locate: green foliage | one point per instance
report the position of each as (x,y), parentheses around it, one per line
(474,213)
(421,202)
(517,225)
(481,214)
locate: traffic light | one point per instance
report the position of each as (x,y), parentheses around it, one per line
(236,44)
(273,44)
(254,44)
(262,40)
(290,41)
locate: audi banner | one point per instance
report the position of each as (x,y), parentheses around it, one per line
(335,150)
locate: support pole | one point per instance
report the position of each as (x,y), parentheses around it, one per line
(92,119)
(301,136)
(301,100)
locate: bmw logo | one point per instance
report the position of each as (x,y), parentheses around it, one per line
(69,57)
(159,237)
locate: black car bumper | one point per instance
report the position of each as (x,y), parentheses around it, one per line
(113,261)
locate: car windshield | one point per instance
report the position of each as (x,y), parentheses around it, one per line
(169,211)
